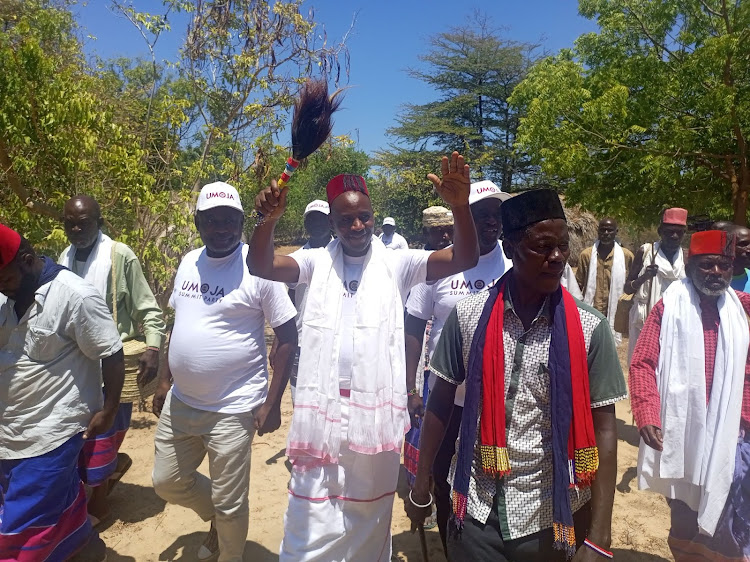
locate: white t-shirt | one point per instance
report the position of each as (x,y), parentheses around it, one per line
(395,242)
(439,298)
(217,352)
(410,267)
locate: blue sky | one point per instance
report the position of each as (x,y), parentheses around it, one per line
(387,38)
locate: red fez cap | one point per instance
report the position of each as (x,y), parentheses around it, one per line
(10,241)
(675,215)
(345,182)
(715,242)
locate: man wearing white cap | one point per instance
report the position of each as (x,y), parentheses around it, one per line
(436,301)
(214,394)
(392,239)
(318,228)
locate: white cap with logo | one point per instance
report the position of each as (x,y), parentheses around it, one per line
(484,189)
(389,220)
(317,205)
(218,194)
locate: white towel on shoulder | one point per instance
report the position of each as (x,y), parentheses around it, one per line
(378,418)
(98,265)
(616,283)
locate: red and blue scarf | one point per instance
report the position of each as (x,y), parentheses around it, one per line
(575,458)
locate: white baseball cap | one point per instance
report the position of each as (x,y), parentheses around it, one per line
(218,194)
(317,205)
(484,189)
(389,220)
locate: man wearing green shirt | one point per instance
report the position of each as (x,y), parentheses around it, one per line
(534,474)
(103,262)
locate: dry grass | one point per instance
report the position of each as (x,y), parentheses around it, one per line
(583,227)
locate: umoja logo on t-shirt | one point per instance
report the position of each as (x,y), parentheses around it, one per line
(192,289)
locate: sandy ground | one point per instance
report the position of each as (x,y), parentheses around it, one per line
(143,528)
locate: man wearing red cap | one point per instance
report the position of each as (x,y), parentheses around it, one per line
(58,343)
(654,268)
(350,412)
(690,395)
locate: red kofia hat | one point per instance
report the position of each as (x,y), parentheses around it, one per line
(345,182)
(10,241)
(675,215)
(714,242)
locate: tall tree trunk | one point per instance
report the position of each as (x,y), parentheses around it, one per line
(740,188)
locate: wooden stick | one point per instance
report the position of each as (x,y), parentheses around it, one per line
(423,542)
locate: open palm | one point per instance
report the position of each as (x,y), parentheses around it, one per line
(455,183)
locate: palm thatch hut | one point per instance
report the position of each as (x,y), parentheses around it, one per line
(583,227)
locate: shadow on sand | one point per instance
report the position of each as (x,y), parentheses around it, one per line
(184,548)
(131,503)
(628,432)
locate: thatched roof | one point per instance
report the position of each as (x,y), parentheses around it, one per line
(583,227)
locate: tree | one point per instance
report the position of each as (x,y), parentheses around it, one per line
(141,136)
(474,70)
(652,110)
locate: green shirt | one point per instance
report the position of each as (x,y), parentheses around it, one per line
(524,497)
(136,306)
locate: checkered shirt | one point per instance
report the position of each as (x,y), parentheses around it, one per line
(524,497)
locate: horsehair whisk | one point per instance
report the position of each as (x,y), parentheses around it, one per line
(311,125)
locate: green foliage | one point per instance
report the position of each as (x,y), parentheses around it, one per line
(401,190)
(141,136)
(651,111)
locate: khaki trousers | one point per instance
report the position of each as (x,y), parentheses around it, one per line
(183,438)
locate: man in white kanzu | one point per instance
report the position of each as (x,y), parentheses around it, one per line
(428,300)
(390,238)
(690,395)
(655,267)
(350,412)
(214,394)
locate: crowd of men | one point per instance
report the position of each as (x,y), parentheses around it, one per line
(484,358)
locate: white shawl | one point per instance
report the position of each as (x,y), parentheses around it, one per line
(569,282)
(98,265)
(700,438)
(650,292)
(378,418)
(616,283)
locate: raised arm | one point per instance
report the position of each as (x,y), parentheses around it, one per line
(454,188)
(261,260)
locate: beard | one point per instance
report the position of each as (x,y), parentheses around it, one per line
(700,285)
